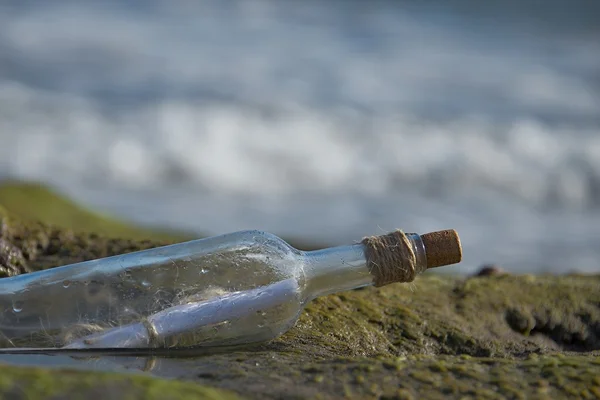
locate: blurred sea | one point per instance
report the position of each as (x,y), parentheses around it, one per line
(320,120)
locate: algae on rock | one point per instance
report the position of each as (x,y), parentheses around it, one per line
(32,202)
(491,336)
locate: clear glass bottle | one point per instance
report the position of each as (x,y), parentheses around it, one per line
(231,289)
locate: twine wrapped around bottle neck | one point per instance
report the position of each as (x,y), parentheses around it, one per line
(391,258)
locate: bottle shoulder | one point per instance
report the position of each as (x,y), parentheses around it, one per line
(261,238)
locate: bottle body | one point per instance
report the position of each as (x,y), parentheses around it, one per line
(55,307)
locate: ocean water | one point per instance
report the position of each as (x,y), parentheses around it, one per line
(319,120)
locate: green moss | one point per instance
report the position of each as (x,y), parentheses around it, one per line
(39,203)
(38,383)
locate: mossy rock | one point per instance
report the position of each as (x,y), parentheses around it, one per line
(436,338)
(40,226)
(39,203)
(493,336)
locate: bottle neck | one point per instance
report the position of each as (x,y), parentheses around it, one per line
(342,268)
(335,269)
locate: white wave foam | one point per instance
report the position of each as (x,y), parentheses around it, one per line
(236,150)
(230,115)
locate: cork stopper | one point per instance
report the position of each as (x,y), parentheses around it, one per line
(442,248)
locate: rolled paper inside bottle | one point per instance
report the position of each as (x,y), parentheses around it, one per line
(154,331)
(395,257)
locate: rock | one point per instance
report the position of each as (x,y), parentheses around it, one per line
(32,202)
(12,261)
(506,336)
(491,270)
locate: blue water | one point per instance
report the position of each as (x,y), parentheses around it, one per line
(324,120)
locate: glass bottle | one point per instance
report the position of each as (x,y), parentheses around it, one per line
(231,289)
